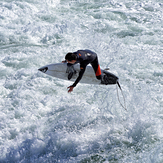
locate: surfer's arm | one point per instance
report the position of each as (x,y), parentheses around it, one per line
(82,70)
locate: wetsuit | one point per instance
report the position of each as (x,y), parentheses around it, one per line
(84,57)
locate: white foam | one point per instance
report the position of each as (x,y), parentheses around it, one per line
(41,122)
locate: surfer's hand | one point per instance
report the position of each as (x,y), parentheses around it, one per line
(70,89)
(64,61)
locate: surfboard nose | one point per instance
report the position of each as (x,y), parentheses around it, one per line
(43,69)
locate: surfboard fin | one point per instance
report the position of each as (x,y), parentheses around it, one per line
(107,69)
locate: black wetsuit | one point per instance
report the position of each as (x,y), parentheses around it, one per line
(84,57)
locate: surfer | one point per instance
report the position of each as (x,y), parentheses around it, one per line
(83,57)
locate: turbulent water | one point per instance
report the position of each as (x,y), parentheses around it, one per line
(40,122)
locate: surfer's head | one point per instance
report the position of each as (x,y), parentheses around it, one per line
(71,58)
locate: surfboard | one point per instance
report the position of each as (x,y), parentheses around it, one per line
(58,70)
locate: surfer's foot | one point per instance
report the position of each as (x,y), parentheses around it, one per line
(104,79)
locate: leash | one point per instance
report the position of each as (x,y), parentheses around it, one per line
(124,106)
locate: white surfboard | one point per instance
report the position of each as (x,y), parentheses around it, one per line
(58,70)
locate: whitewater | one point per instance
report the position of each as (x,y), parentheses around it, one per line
(40,122)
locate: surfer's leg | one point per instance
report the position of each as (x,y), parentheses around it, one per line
(96,68)
(100,76)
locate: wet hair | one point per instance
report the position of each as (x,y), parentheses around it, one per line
(70,56)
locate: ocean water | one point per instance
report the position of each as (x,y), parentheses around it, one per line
(40,122)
